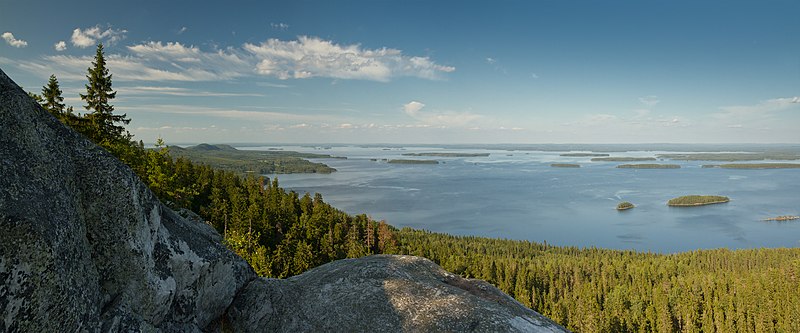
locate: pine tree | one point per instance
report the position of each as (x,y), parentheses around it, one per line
(98,95)
(52,99)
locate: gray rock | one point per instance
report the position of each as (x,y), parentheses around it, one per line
(381,293)
(85,246)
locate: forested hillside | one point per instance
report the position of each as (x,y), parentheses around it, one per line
(597,290)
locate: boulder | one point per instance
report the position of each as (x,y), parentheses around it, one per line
(381,293)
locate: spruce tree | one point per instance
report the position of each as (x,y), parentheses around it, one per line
(98,95)
(51,94)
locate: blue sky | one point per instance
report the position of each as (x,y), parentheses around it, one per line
(424,71)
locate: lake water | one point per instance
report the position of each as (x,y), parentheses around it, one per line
(518,195)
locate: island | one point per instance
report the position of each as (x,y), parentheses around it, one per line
(226,157)
(754,166)
(783,218)
(648,166)
(622,159)
(413,162)
(625,205)
(583,155)
(448,154)
(565,165)
(697,200)
(732,157)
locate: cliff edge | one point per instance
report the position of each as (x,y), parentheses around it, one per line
(86,247)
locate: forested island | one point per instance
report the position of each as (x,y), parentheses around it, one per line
(697,200)
(622,159)
(648,166)
(754,166)
(783,218)
(413,162)
(625,205)
(229,158)
(448,154)
(733,157)
(565,165)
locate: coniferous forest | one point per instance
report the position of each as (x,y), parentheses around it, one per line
(282,233)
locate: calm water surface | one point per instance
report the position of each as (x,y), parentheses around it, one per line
(518,195)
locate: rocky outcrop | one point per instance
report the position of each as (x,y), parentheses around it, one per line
(381,293)
(86,247)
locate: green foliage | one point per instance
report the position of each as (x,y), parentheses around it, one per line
(596,290)
(52,100)
(104,122)
(697,200)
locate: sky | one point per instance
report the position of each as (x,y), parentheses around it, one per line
(379,71)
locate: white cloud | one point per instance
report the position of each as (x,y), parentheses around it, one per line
(60,46)
(649,101)
(182,30)
(93,35)
(770,105)
(314,57)
(412,108)
(279,26)
(175,91)
(9,38)
(173,61)
(534,76)
(491,61)
(177,62)
(436,118)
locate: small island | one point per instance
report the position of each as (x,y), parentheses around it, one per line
(697,200)
(783,218)
(413,162)
(623,159)
(625,205)
(754,166)
(565,165)
(583,155)
(648,166)
(448,154)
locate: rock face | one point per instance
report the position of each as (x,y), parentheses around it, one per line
(381,293)
(86,247)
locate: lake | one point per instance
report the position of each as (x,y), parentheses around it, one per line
(518,195)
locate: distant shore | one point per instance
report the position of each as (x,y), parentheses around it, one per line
(648,166)
(413,162)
